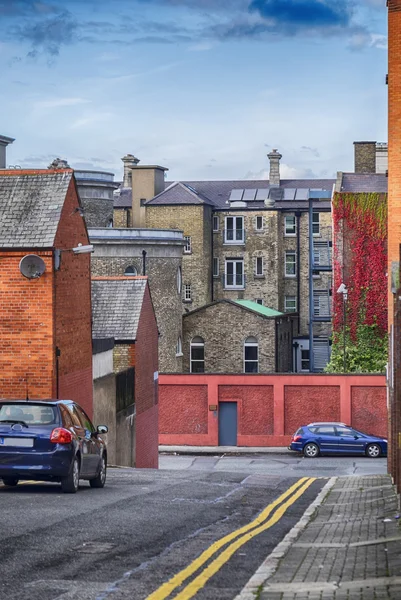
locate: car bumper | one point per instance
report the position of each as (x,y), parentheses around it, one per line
(295,446)
(36,465)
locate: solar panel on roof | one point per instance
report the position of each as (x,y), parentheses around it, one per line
(302,194)
(249,195)
(276,193)
(289,193)
(262,194)
(236,195)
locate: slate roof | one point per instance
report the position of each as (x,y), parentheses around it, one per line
(30,207)
(364,182)
(180,193)
(116,306)
(123,199)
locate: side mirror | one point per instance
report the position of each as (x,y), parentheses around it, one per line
(356,437)
(102,429)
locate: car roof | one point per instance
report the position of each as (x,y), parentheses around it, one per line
(32,401)
(328,423)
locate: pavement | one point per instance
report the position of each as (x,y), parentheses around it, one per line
(347,546)
(218,450)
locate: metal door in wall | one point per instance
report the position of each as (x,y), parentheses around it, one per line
(227,424)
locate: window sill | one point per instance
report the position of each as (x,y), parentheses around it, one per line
(216,276)
(187,253)
(290,235)
(259,230)
(259,276)
(290,276)
(179,354)
(187,301)
(235,243)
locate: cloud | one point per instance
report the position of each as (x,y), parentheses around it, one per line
(58,102)
(364,39)
(297,14)
(49,34)
(313,151)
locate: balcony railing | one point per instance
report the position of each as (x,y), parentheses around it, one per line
(234,236)
(233,282)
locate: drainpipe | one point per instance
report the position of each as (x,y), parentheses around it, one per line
(212,297)
(143,262)
(58,353)
(311,357)
(298,216)
(276,347)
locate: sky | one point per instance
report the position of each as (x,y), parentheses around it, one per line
(206,88)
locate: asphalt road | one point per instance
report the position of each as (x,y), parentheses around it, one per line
(127,540)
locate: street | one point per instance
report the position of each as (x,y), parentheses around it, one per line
(145,527)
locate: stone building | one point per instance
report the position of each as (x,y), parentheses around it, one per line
(96,191)
(371,157)
(157,254)
(237,336)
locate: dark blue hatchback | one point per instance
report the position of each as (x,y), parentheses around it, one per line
(336,438)
(50,441)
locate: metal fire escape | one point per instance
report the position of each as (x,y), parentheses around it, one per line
(320,301)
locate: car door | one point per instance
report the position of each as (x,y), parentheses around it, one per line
(82,437)
(92,444)
(349,441)
(327,438)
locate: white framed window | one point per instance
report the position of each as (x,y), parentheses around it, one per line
(251,355)
(316,223)
(234,231)
(179,280)
(187,294)
(188,244)
(131,271)
(215,266)
(290,304)
(178,349)
(259,223)
(197,358)
(290,263)
(234,274)
(259,266)
(216,223)
(259,301)
(290,226)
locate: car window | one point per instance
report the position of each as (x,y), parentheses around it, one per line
(31,414)
(345,431)
(74,415)
(85,420)
(325,429)
(66,416)
(300,431)
(312,429)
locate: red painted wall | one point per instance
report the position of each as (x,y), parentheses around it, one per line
(146,387)
(270,407)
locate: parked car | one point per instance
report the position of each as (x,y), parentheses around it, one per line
(336,438)
(50,441)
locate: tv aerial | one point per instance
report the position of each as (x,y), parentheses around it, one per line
(32,266)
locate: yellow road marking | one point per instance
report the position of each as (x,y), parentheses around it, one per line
(167,588)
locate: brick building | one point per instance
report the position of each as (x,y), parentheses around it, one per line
(123,310)
(45,329)
(237,336)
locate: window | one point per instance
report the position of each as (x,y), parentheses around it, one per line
(110,223)
(290,304)
(215,266)
(234,233)
(215,223)
(251,364)
(197,355)
(259,266)
(259,301)
(316,262)
(179,280)
(178,349)
(316,223)
(290,263)
(344,431)
(259,223)
(235,273)
(304,360)
(187,293)
(85,420)
(326,430)
(290,227)
(131,271)
(188,244)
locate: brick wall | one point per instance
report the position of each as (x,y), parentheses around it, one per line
(146,387)
(122,218)
(270,407)
(73,312)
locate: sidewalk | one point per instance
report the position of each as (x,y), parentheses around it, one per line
(347,546)
(218,450)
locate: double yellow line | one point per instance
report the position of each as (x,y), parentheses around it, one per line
(241,537)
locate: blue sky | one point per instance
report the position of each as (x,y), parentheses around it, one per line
(204,87)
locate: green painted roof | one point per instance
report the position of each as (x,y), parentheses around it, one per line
(259,308)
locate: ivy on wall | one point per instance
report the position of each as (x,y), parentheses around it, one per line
(360,261)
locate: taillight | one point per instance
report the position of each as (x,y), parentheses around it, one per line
(61,436)
(297,438)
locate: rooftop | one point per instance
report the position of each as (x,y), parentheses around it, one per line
(364,182)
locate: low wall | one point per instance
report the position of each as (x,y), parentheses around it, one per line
(270,407)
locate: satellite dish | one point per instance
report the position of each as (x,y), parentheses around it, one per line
(32,266)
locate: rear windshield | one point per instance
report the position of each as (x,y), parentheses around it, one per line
(300,431)
(31,414)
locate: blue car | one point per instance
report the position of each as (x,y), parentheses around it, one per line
(336,438)
(50,441)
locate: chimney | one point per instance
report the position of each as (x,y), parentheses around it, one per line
(130,161)
(365,157)
(274,174)
(4,141)
(59,163)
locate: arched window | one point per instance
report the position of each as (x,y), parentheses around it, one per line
(251,355)
(179,280)
(179,346)
(197,355)
(110,223)
(131,271)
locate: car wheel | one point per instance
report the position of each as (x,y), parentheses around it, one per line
(100,479)
(373,451)
(311,450)
(70,483)
(10,481)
